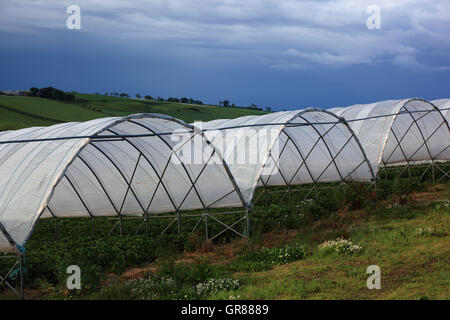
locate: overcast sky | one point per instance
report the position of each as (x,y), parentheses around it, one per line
(281,53)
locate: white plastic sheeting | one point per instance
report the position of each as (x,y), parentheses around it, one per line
(4,243)
(413,131)
(120,176)
(289,148)
(444,106)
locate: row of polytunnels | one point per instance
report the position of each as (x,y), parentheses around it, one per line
(148,164)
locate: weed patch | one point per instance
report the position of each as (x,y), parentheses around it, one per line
(266,258)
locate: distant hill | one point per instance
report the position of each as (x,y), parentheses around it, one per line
(20,112)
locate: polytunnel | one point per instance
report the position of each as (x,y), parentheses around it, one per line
(444,106)
(399,132)
(122,166)
(289,148)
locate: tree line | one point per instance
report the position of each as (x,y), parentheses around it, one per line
(51,93)
(158,98)
(224,103)
(56,94)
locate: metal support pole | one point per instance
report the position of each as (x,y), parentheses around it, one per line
(179,221)
(409,169)
(56,221)
(265,196)
(56,228)
(247,216)
(206,225)
(376,191)
(432,170)
(21,275)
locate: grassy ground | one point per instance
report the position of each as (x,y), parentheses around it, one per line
(413,266)
(186,112)
(21,112)
(409,242)
(12,120)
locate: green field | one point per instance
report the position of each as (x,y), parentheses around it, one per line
(22,112)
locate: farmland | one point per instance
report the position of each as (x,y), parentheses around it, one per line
(21,112)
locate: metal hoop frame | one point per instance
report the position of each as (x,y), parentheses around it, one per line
(145,208)
(403,109)
(315,181)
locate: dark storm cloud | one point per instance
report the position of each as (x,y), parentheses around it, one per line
(260,36)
